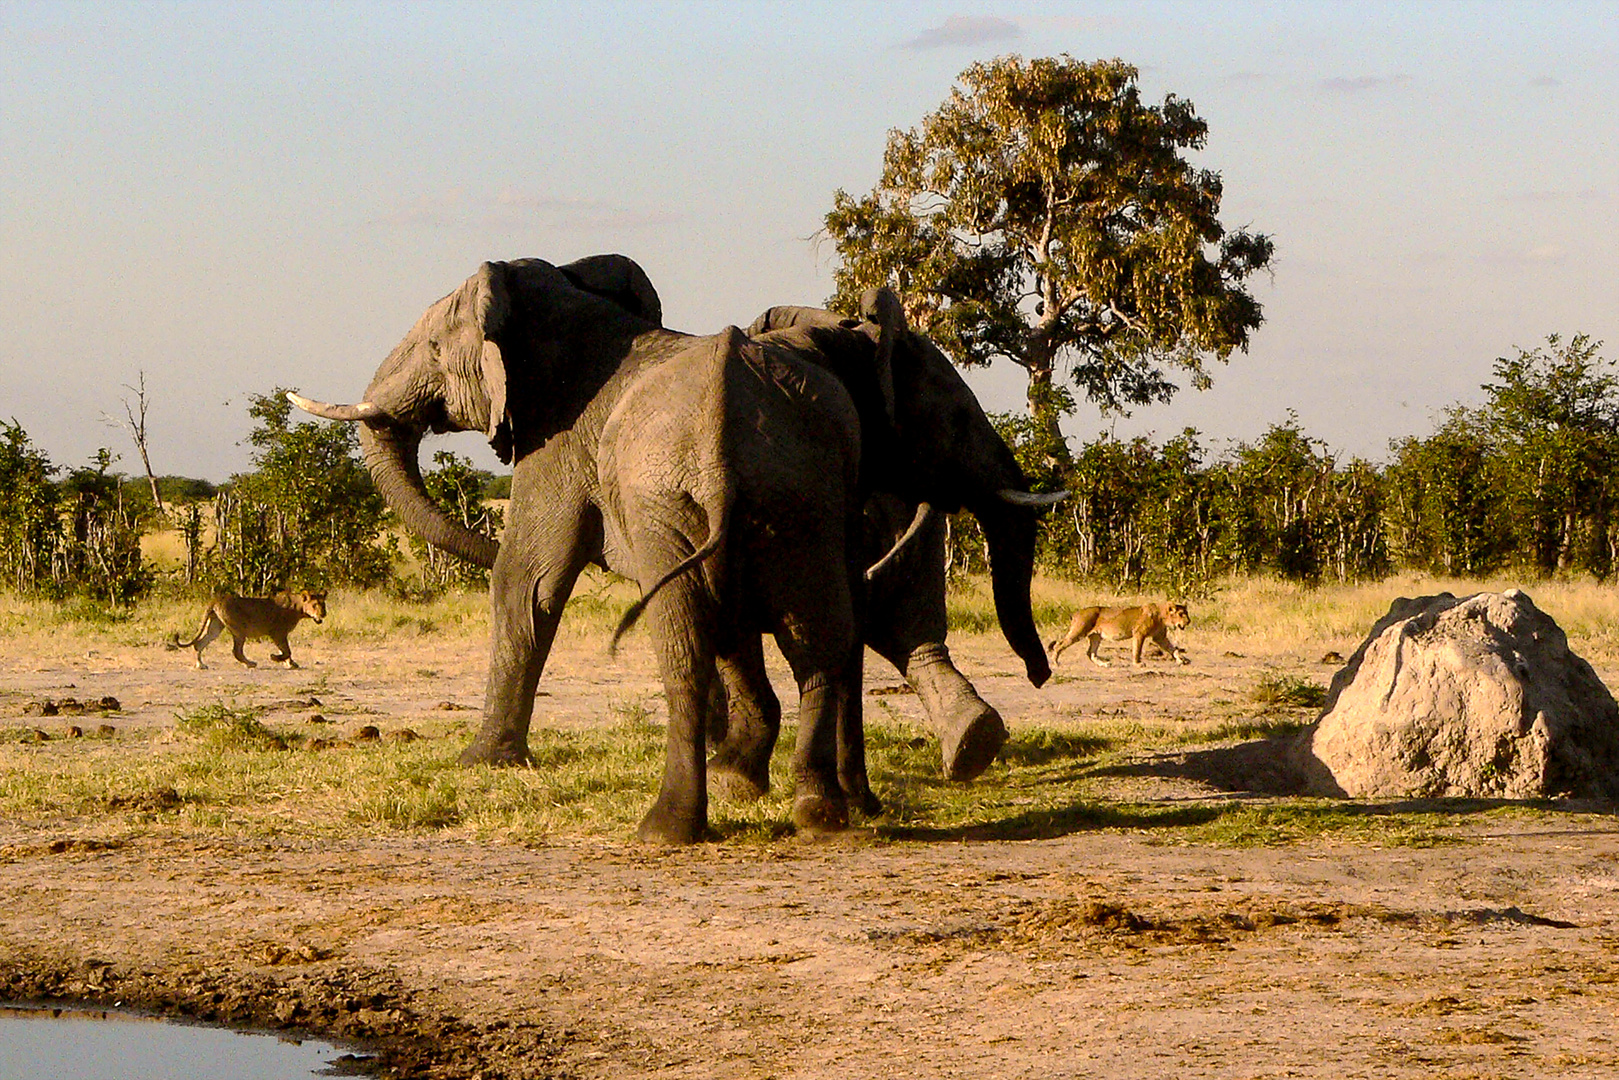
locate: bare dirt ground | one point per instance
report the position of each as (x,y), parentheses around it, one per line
(1094,953)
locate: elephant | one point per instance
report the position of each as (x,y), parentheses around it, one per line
(720,472)
(935,444)
(905,619)
(695,465)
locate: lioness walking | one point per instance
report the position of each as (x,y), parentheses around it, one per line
(247,617)
(1149,622)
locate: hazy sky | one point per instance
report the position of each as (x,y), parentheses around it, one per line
(232,197)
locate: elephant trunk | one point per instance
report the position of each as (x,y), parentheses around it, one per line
(1011,532)
(390,454)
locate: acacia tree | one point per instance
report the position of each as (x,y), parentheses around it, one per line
(1046,215)
(30,521)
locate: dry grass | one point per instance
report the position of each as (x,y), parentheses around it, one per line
(1261,616)
(223,768)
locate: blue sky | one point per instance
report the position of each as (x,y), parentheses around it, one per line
(231,197)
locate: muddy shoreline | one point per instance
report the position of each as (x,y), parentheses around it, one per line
(1495,954)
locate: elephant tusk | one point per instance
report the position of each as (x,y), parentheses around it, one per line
(924,511)
(363,411)
(1029,498)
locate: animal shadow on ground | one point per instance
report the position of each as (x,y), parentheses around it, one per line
(1266,768)
(1259,769)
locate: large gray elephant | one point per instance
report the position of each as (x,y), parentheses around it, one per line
(929,449)
(660,456)
(943,447)
(649,452)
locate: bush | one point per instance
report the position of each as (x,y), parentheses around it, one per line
(309,515)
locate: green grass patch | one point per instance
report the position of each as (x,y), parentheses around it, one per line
(1288,691)
(224,771)
(225,727)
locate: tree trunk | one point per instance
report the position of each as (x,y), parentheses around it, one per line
(1044,408)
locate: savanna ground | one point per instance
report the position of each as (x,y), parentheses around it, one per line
(1129,892)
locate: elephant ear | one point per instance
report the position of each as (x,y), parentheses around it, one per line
(620,279)
(884,315)
(491,308)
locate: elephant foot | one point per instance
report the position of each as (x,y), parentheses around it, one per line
(970,731)
(970,749)
(496,753)
(857,792)
(735,785)
(667,826)
(867,803)
(820,814)
(740,773)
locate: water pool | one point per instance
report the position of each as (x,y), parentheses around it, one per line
(46,1043)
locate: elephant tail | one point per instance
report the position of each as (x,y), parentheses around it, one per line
(716,537)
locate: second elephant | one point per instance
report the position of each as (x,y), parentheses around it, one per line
(927,442)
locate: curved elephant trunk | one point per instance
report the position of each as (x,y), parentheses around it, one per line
(390,454)
(1010,531)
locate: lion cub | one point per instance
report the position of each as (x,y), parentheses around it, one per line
(1141,624)
(247,617)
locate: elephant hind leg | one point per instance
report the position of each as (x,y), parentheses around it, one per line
(739,768)
(821,666)
(682,616)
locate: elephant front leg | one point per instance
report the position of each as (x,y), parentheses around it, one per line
(525,608)
(970,731)
(739,768)
(906,624)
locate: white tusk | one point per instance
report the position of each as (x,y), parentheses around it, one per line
(1028,498)
(923,512)
(363,411)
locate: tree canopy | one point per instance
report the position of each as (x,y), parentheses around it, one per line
(1046,215)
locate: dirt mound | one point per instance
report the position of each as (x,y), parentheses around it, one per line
(1478,697)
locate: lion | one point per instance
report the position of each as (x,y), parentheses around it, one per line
(1149,622)
(247,617)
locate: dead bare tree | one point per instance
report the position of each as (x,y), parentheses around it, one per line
(134,423)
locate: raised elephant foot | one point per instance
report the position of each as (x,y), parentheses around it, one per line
(969,750)
(496,753)
(970,731)
(819,814)
(734,784)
